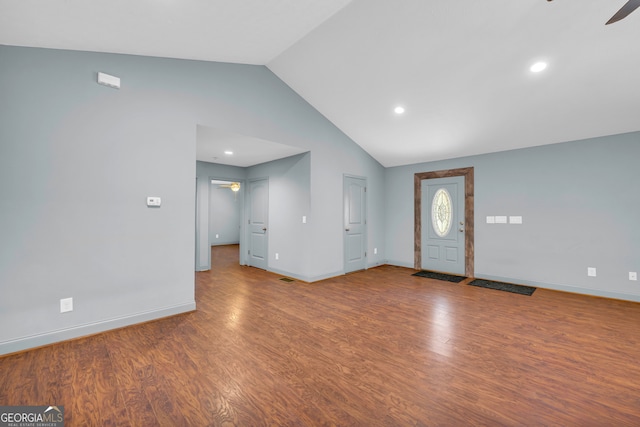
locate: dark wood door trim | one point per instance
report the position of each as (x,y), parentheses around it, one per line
(468,214)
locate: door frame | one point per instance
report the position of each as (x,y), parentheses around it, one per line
(468,214)
(366,217)
(241,198)
(247,219)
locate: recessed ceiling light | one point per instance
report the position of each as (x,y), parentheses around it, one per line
(228,152)
(399,110)
(538,66)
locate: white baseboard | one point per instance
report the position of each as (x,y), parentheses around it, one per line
(308,279)
(399,264)
(47,338)
(563,288)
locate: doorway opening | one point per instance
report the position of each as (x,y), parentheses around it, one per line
(467,173)
(225,212)
(219,217)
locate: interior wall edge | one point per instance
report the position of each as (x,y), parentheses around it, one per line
(305,278)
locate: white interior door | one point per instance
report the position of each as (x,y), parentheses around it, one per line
(443,228)
(258,223)
(355,224)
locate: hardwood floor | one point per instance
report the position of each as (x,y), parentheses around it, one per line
(373,348)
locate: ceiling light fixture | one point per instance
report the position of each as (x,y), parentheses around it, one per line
(399,110)
(538,66)
(233,186)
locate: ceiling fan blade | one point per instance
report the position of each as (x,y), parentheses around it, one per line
(625,11)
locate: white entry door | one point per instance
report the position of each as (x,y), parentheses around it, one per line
(443,228)
(258,223)
(355,224)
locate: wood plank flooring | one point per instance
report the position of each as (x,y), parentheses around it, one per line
(373,348)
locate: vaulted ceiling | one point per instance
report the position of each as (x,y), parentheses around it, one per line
(461,69)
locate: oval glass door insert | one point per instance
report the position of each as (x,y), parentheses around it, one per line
(441,212)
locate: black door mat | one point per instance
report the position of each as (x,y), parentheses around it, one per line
(501,286)
(439,276)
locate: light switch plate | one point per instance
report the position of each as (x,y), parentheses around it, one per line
(491,220)
(501,219)
(591,271)
(633,275)
(515,220)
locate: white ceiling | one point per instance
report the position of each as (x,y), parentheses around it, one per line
(459,68)
(242,31)
(212,143)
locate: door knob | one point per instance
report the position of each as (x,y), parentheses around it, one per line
(346,229)
(461,229)
(264,228)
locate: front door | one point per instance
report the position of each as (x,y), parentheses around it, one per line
(355,224)
(258,223)
(443,228)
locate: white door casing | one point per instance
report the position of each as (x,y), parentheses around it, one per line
(258,223)
(355,224)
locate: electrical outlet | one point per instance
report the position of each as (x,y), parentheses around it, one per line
(591,271)
(515,220)
(217,236)
(277,255)
(501,219)
(375,251)
(633,275)
(66,305)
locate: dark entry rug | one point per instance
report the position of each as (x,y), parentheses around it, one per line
(439,276)
(501,286)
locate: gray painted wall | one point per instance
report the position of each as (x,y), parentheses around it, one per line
(78,160)
(225,211)
(579,202)
(289,200)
